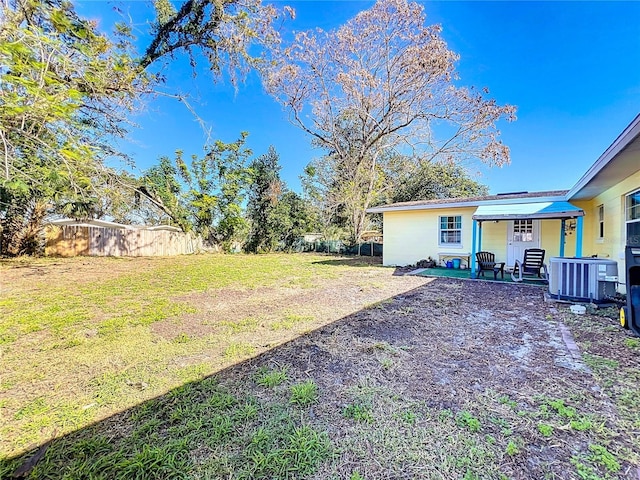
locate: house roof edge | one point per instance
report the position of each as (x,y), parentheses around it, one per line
(628,135)
(532,197)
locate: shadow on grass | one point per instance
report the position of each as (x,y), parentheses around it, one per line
(340,261)
(250,420)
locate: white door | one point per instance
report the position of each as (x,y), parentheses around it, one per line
(521,234)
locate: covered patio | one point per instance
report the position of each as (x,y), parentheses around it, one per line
(556,210)
(442,272)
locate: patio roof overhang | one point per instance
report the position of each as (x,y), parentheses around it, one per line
(528,211)
(559,210)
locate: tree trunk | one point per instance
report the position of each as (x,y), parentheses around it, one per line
(22,228)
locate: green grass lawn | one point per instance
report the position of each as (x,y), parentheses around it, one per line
(301,366)
(96,322)
(84,338)
(139,297)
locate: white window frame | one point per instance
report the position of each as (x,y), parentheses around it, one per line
(627,212)
(601,231)
(440,230)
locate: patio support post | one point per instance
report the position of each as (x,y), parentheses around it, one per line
(579,237)
(474,232)
(480,235)
(562,236)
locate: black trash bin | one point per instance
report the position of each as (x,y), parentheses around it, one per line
(630,313)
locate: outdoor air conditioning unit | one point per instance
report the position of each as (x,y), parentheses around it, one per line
(582,279)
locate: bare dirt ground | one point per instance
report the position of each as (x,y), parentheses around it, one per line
(494,350)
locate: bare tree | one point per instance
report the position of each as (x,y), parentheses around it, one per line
(383,81)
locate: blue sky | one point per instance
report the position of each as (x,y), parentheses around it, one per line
(571,68)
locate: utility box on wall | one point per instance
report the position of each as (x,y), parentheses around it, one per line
(582,279)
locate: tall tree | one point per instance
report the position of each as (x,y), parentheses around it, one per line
(295,219)
(384,81)
(160,185)
(262,208)
(343,192)
(278,216)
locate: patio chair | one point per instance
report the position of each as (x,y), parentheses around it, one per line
(487,261)
(532,266)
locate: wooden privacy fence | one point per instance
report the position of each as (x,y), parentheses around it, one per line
(74,240)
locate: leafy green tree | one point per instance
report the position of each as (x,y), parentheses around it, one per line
(230,161)
(65,92)
(315,196)
(436,180)
(216,190)
(296,218)
(160,185)
(279,217)
(264,199)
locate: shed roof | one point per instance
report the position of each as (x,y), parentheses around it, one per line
(90,223)
(108,224)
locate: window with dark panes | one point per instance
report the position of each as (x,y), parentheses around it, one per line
(601,221)
(632,217)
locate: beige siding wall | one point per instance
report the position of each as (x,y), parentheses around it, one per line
(550,239)
(494,239)
(412,235)
(612,244)
(590,228)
